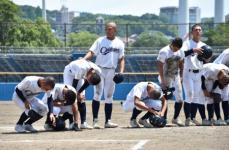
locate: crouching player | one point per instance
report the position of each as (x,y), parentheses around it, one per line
(215,80)
(145,96)
(25,97)
(64,107)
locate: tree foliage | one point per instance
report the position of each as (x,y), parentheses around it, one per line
(151,39)
(81,39)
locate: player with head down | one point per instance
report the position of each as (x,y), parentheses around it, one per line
(64,102)
(80,74)
(25,97)
(215,80)
(145,96)
(170,64)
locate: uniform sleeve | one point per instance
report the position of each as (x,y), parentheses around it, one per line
(138,92)
(24,84)
(95,47)
(162,56)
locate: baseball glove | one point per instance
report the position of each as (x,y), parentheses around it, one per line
(118,78)
(216,97)
(157,121)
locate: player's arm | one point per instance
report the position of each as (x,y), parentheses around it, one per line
(121,64)
(193,50)
(50,107)
(89,55)
(80,96)
(142,105)
(75,113)
(23,85)
(160,70)
(164,106)
(203,86)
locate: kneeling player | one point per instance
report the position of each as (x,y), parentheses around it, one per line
(145,96)
(25,97)
(64,98)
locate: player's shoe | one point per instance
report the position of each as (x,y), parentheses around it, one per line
(29,127)
(197,123)
(206,122)
(110,124)
(74,126)
(177,122)
(134,124)
(48,127)
(85,126)
(19,128)
(188,122)
(220,122)
(227,121)
(145,123)
(95,124)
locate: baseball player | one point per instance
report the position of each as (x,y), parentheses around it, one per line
(223,58)
(215,79)
(170,65)
(145,96)
(80,74)
(109,51)
(33,108)
(192,77)
(64,98)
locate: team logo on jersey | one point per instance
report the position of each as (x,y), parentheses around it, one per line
(105,50)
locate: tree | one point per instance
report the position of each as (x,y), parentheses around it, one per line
(218,36)
(81,39)
(9,12)
(151,39)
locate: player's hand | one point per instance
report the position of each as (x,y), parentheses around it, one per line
(53,119)
(80,97)
(27,106)
(206,93)
(198,50)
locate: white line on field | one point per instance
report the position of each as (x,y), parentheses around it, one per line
(139,145)
(68,140)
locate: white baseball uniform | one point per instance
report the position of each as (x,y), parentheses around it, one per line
(108,52)
(223,58)
(191,74)
(78,70)
(30,89)
(57,94)
(210,72)
(171,70)
(140,91)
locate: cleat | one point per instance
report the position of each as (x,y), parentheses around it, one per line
(29,127)
(145,123)
(109,124)
(19,128)
(74,126)
(177,122)
(196,122)
(134,124)
(95,124)
(188,122)
(206,122)
(85,126)
(220,122)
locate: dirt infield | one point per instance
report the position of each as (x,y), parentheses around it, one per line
(122,138)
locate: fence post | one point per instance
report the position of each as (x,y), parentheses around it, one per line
(127,43)
(65,35)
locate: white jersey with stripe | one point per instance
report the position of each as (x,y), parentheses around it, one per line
(191,61)
(108,52)
(80,67)
(29,87)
